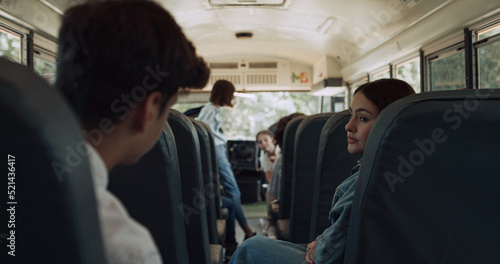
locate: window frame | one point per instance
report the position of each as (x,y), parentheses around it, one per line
(22,33)
(438,55)
(44,49)
(406,60)
(380,71)
(478,43)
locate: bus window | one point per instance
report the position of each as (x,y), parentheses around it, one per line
(44,67)
(10,45)
(250,115)
(44,57)
(381,75)
(447,70)
(326,104)
(259,110)
(492,31)
(338,103)
(488,56)
(409,72)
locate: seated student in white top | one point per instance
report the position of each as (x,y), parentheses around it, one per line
(120,66)
(266,143)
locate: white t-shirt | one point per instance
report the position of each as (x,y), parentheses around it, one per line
(274,188)
(125,240)
(265,161)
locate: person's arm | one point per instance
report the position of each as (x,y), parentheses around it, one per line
(330,245)
(311,249)
(269,176)
(126,241)
(267,167)
(274,188)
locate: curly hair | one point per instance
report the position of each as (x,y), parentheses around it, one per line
(113,54)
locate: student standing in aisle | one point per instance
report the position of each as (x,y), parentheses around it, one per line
(222,95)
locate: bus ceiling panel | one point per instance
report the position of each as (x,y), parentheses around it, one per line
(33,15)
(276,49)
(344,30)
(45,44)
(356,33)
(445,22)
(60,6)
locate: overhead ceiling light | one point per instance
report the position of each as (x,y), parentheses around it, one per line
(244,35)
(323,28)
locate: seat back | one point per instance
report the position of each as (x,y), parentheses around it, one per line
(150,189)
(332,168)
(304,171)
(215,171)
(193,194)
(193,112)
(428,185)
(52,210)
(287,152)
(208,181)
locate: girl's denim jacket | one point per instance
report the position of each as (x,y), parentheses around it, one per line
(331,243)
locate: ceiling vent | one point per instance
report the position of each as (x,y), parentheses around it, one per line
(235,78)
(251,74)
(261,78)
(244,35)
(223,65)
(263,65)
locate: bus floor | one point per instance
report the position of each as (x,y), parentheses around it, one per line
(256,214)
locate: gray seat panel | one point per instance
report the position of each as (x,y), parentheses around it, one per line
(56,218)
(428,185)
(151,191)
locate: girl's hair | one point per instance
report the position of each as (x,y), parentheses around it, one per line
(385,91)
(222,93)
(264,132)
(280,127)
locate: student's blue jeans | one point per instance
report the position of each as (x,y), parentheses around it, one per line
(229,183)
(228,203)
(260,249)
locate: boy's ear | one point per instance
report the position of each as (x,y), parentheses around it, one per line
(147,111)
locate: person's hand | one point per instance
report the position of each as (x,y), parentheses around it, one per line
(311,247)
